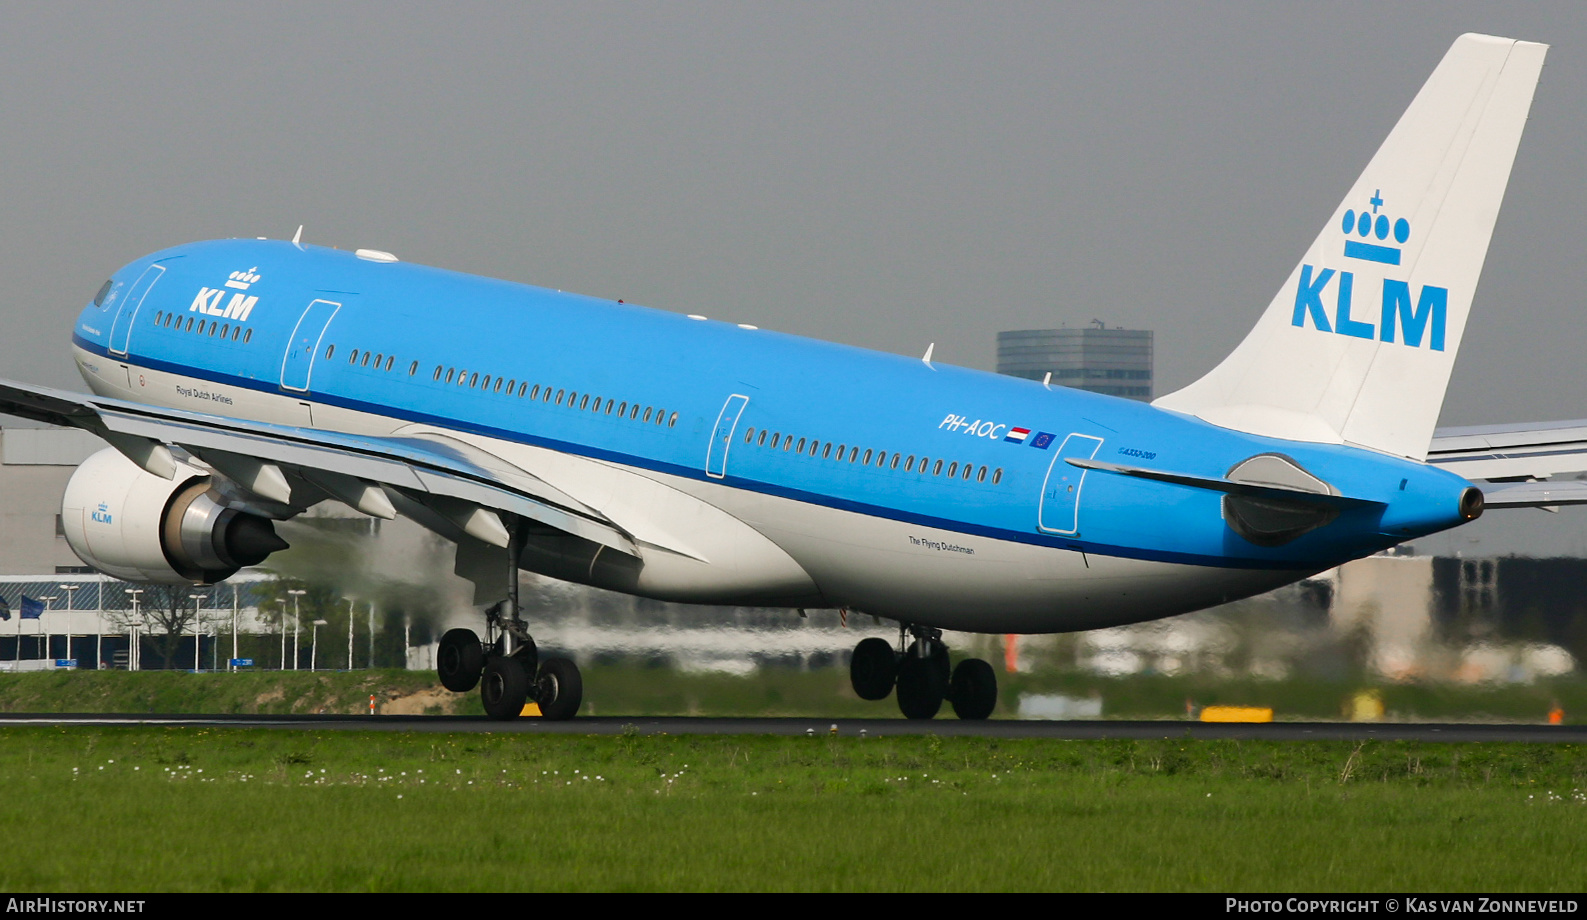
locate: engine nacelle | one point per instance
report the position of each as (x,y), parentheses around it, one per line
(133,525)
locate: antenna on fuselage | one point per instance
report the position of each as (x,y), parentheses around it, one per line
(1047,380)
(926,358)
(297,238)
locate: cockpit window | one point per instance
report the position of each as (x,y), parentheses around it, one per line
(99,299)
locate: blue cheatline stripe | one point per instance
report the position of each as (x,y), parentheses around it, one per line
(659,466)
(1371,252)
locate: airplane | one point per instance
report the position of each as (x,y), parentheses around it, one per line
(240,382)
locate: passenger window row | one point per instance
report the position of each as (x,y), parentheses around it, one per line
(584,402)
(372,359)
(213,328)
(385,362)
(381,362)
(776,440)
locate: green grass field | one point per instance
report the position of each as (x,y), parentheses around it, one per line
(176,809)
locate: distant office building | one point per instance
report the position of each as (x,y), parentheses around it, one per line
(35,464)
(1115,362)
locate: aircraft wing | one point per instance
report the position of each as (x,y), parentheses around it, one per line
(279,470)
(1510,463)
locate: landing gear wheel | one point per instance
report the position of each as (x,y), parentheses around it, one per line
(921,686)
(503,688)
(873,669)
(973,689)
(459,660)
(559,689)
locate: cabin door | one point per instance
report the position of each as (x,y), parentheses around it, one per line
(297,366)
(121,329)
(1060,493)
(722,436)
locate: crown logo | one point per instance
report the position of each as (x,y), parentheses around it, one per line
(241,280)
(1372,225)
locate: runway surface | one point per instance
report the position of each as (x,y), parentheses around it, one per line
(874,728)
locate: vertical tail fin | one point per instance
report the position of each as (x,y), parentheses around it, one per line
(1358,345)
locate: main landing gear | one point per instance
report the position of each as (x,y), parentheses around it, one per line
(922,676)
(506,666)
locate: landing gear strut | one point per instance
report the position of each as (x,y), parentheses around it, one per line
(507,666)
(923,676)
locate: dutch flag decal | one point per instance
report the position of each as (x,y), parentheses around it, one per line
(1018,435)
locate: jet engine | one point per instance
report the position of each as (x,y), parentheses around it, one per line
(133,525)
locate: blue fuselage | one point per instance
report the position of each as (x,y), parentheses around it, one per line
(953,452)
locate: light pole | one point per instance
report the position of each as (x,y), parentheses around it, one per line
(16,658)
(296,593)
(283,658)
(234,611)
(134,659)
(350,603)
(198,626)
(69,589)
(314,645)
(45,635)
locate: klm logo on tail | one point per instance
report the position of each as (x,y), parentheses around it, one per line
(1399,314)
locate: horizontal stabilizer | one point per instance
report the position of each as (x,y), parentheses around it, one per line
(1534,494)
(1533,450)
(1226,486)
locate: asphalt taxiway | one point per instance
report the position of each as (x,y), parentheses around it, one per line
(874,728)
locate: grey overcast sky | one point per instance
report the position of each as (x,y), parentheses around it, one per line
(882,174)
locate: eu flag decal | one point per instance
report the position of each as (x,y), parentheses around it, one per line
(1042,440)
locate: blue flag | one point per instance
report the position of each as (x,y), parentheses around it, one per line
(31,609)
(5,609)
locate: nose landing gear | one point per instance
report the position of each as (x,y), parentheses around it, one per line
(922,676)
